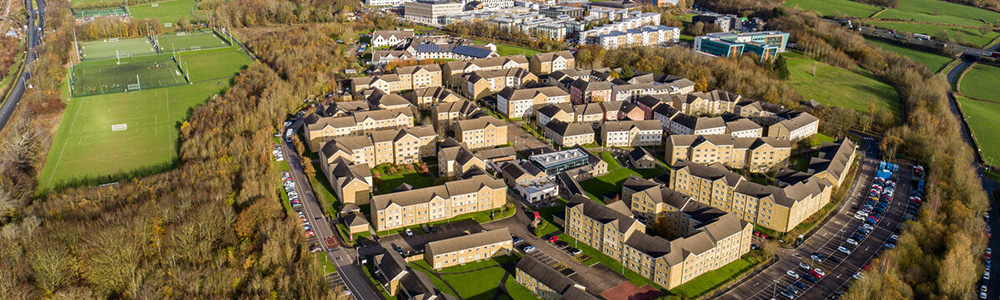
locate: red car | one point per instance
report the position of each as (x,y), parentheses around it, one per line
(814,273)
(553,239)
(310,233)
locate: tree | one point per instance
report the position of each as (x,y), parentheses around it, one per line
(627,72)
(701,84)
(781,66)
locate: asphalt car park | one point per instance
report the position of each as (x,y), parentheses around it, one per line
(420,238)
(820,250)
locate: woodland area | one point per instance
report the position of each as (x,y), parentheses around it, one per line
(9,52)
(935,257)
(212,228)
(103,28)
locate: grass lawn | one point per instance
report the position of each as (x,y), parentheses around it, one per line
(504,49)
(982,117)
(104,49)
(971,36)
(933,61)
(190,41)
(389,182)
(820,138)
(96,3)
(597,187)
(480,284)
(86,149)
(839,87)
(706,282)
(517,291)
(835,7)
(980,82)
(940,12)
(165,11)
(325,266)
(214,64)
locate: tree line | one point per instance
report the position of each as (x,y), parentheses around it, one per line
(493,32)
(103,28)
(250,13)
(937,256)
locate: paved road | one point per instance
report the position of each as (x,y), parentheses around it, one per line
(345,259)
(909,39)
(34,36)
(831,235)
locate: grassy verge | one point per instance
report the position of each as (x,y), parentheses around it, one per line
(933,61)
(480,284)
(980,82)
(982,118)
(393,176)
(505,49)
(375,281)
(712,279)
(834,7)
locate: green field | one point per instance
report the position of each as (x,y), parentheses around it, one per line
(165,11)
(110,76)
(124,47)
(971,36)
(190,41)
(480,284)
(709,280)
(982,117)
(86,147)
(597,187)
(96,3)
(835,7)
(99,12)
(838,87)
(214,64)
(980,83)
(504,49)
(933,61)
(940,12)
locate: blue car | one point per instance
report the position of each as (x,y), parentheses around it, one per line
(802,286)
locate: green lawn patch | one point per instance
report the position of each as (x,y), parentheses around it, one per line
(612,162)
(709,280)
(325,265)
(839,87)
(391,180)
(982,117)
(214,64)
(517,291)
(605,184)
(971,36)
(190,41)
(933,61)
(164,11)
(109,48)
(481,284)
(835,7)
(820,138)
(505,49)
(939,12)
(980,83)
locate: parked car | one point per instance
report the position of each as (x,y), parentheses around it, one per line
(834,259)
(787,295)
(517,240)
(811,279)
(800,285)
(409,232)
(804,266)
(817,257)
(852,242)
(574,251)
(890,246)
(529,249)
(792,274)
(792,289)
(857,275)
(816,274)
(844,250)
(819,271)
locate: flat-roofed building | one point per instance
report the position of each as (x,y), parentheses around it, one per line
(437,203)
(553,163)
(468,248)
(430,12)
(529,181)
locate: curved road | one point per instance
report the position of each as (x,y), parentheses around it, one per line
(34,36)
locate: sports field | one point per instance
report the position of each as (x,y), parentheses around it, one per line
(982,117)
(838,87)
(940,12)
(109,48)
(99,12)
(504,49)
(933,61)
(835,7)
(92,141)
(980,82)
(108,76)
(972,36)
(96,3)
(164,11)
(189,41)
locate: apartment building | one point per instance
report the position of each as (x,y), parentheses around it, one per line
(562,112)
(651,35)
(352,183)
(424,98)
(584,91)
(640,158)
(569,134)
(468,248)
(382,57)
(430,12)
(454,70)
(795,126)
(482,132)
(397,146)
(834,160)
(402,282)
(479,84)
(588,113)
(377,99)
(546,282)
(436,203)
(455,161)
(754,154)
(446,114)
(521,103)
(545,63)
(631,133)
(629,20)
(603,227)
(744,128)
(404,79)
(385,38)
(711,103)
(319,130)
(686,124)
(611,109)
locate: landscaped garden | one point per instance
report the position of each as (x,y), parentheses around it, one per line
(611,182)
(477,280)
(388,177)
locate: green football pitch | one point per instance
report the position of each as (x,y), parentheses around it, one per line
(115,76)
(164,11)
(109,49)
(189,41)
(122,134)
(99,12)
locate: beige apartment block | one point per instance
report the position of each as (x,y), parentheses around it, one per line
(545,63)
(521,103)
(319,130)
(454,161)
(800,125)
(569,134)
(603,227)
(445,115)
(468,248)
(352,183)
(562,112)
(425,98)
(754,154)
(482,132)
(454,70)
(397,146)
(404,79)
(631,133)
(437,203)
(479,84)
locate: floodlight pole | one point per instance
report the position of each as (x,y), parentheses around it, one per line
(137,82)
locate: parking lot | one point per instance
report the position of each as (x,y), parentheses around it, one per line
(837,267)
(415,244)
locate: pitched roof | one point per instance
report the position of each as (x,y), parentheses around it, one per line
(423,195)
(569,129)
(639,153)
(513,94)
(399,34)
(468,241)
(591,85)
(544,274)
(549,56)
(471,51)
(612,126)
(742,124)
(479,123)
(588,109)
(710,172)
(601,213)
(551,110)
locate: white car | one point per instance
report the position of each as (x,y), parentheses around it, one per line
(844,250)
(804,266)
(819,271)
(859,216)
(868,226)
(792,274)
(529,249)
(852,242)
(409,232)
